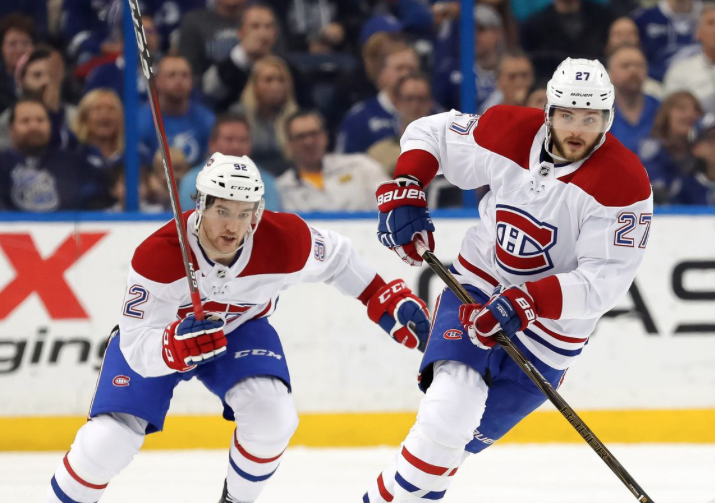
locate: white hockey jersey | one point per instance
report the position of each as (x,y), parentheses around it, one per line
(282,252)
(574,235)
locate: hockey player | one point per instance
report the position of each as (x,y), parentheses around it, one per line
(563,231)
(244,257)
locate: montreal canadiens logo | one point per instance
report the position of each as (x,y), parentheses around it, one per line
(121,381)
(523,243)
(453,334)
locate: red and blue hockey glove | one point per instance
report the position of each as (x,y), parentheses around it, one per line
(403,213)
(401,314)
(191,342)
(510,310)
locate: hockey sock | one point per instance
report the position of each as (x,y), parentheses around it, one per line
(248,474)
(102,448)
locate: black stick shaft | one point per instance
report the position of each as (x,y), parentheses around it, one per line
(145,59)
(545,386)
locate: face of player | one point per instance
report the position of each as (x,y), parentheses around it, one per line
(271,87)
(224,226)
(232,138)
(575,131)
(30,131)
(14,44)
(173,79)
(104,117)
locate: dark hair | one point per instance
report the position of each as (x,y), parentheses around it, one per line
(16,21)
(413,76)
(621,47)
(257,5)
(304,113)
(38,53)
(228,118)
(13,108)
(516,54)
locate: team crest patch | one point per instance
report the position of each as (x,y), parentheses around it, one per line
(121,381)
(453,334)
(523,242)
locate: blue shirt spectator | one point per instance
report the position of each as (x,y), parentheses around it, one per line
(37,177)
(375,119)
(664,31)
(632,134)
(187,124)
(696,189)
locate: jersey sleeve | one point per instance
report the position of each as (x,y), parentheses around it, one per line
(335,262)
(148,308)
(446,138)
(609,249)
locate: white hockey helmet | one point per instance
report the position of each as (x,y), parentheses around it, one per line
(233,178)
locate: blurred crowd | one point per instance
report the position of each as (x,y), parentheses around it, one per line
(318,92)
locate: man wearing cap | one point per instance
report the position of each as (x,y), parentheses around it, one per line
(698,188)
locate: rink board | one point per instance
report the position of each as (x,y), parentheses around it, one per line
(648,374)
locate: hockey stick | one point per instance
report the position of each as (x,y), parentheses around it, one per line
(533,373)
(168,167)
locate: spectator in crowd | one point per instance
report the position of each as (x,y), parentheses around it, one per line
(664,30)
(666,154)
(361,83)
(39,75)
(33,9)
(91,28)
(695,73)
(157,190)
(99,128)
(634,110)
(187,123)
(223,82)
(515,76)
(208,35)
(372,120)
(267,101)
(566,28)
(488,50)
(111,74)
(324,182)
(118,189)
(231,135)
(334,21)
(537,97)
(698,188)
(37,177)
(17,34)
(413,100)
(624,31)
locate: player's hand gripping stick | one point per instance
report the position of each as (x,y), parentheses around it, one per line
(190,342)
(533,373)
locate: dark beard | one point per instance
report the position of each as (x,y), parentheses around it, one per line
(31,148)
(562,151)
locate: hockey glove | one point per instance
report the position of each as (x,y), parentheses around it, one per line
(403,213)
(191,342)
(401,314)
(510,310)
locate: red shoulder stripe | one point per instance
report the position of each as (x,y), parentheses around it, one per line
(281,245)
(158,258)
(509,131)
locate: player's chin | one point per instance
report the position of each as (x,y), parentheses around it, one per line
(227,243)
